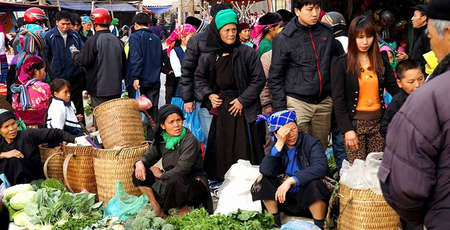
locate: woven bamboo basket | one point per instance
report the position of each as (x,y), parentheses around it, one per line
(114,165)
(119,122)
(363,209)
(53,159)
(78,169)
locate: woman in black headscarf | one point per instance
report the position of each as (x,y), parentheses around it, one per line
(229,79)
(183,182)
(19,150)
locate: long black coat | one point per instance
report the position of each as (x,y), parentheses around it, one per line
(29,168)
(248,75)
(345,90)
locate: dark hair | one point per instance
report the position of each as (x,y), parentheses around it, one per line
(268,19)
(362,24)
(142,19)
(154,21)
(64,15)
(404,66)
(58,84)
(299,4)
(218,7)
(286,15)
(76,18)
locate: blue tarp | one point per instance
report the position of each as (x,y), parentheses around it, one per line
(10,6)
(85,6)
(159,9)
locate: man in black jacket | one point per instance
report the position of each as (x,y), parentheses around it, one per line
(104,59)
(421,43)
(299,76)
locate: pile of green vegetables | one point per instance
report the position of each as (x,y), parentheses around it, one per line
(240,220)
(51,206)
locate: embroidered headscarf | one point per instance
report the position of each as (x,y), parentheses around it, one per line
(31,42)
(179,33)
(278,119)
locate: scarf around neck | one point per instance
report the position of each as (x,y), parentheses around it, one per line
(171,142)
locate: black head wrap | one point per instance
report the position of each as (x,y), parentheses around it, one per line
(6,115)
(166,110)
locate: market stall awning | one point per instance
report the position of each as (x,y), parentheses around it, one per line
(159,9)
(86,6)
(10,6)
(69,5)
(118,7)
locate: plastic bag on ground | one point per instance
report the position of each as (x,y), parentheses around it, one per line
(124,205)
(299,225)
(362,174)
(235,193)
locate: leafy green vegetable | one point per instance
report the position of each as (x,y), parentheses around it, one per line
(12,191)
(52,184)
(36,184)
(146,219)
(21,218)
(10,210)
(240,220)
(19,201)
(63,210)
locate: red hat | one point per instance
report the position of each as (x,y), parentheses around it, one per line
(243,26)
(100,16)
(34,14)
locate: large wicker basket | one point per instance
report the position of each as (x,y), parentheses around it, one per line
(119,122)
(78,169)
(363,209)
(53,159)
(114,165)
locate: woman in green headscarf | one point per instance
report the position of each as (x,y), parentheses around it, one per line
(182,182)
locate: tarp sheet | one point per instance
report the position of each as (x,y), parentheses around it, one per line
(159,9)
(85,6)
(9,6)
(119,7)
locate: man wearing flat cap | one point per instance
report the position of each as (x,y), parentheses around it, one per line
(415,172)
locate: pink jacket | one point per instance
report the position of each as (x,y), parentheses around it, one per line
(39,101)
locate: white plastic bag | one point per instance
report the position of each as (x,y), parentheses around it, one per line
(362,174)
(235,193)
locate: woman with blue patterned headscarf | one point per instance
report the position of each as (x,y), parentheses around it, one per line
(292,172)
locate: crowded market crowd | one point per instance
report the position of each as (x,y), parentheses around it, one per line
(277,92)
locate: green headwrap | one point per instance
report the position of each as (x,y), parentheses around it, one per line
(225,17)
(115,21)
(171,142)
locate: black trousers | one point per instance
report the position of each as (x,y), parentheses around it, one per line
(176,192)
(76,93)
(153,95)
(297,203)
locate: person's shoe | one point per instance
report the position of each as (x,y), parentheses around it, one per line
(319,223)
(277,219)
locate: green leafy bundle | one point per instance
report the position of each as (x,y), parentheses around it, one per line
(240,220)
(63,210)
(146,219)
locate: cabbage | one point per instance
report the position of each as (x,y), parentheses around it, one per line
(21,219)
(19,201)
(11,191)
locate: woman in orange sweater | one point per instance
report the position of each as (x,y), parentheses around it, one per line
(358,81)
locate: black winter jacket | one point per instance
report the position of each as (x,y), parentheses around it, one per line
(300,65)
(421,45)
(393,108)
(184,160)
(248,75)
(104,59)
(196,46)
(345,90)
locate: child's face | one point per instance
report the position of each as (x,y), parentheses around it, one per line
(63,94)
(412,79)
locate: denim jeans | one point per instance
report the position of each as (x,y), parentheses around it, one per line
(205,121)
(338,144)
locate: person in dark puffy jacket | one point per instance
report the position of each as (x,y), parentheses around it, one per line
(228,80)
(59,58)
(415,172)
(299,76)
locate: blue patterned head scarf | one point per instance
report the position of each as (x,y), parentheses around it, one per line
(278,119)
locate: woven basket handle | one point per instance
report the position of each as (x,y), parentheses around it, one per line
(340,213)
(65,166)
(48,160)
(150,120)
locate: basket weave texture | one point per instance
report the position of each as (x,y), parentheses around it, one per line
(363,209)
(114,165)
(79,169)
(119,122)
(55,164)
